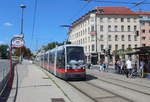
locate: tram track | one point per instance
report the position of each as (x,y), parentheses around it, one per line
(123,86)
(98,99)
(122,81)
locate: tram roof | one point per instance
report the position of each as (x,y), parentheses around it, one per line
(62,46)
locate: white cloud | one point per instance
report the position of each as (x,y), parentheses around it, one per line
(8,24)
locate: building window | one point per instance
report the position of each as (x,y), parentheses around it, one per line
(89,48)
(123,47)
(92,19)
(129,28)
(135,37)
(143,30)
(93,47)
(135,28)
(122,19)
(109,19)
(134,19)
(92,28)
(116,28)
(110,47)
(109,27)
(116,47)
(122,28)
(109,37)
(116,37)
(101,19)
(129,46)
(122,37)
(144,38)
(101,28)
(88,39)
(101,37)
(102,47)
(142,23)
(92,38)
(129,37)
(128,19)
(115,19)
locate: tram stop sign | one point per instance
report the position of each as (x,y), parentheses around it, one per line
(17,42)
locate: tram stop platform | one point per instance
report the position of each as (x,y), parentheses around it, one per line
(33,84)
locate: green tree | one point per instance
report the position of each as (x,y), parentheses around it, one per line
(4,53)
(51,45)
(26,52)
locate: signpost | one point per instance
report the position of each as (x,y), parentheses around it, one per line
(16,42)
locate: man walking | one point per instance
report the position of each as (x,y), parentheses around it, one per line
(129,68)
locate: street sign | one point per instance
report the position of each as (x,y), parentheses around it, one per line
(17,42)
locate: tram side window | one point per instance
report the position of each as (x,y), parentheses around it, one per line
(60,59)
(50,58)
(45,57)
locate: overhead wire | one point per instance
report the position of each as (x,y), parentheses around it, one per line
(120,2)
(34,22)
(79,11)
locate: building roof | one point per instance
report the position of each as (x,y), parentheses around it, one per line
(110,10)
(142,12)
(116,10)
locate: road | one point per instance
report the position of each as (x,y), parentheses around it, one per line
(98,87)
(108,87)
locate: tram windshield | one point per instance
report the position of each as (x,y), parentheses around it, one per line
(75,54)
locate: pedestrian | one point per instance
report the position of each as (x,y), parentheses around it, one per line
(119,66)
(128,68)
(142,64)
(122,66)
(100,66)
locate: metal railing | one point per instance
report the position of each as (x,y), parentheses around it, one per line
(4,73)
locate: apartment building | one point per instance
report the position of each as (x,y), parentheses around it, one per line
(144,18)
(111,28)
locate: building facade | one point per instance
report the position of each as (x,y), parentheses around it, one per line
(145,30)
(106,28)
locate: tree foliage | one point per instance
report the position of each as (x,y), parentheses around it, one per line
(122,52)
(4,52)
(25,52)
(51,45)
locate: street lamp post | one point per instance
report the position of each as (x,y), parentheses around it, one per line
(21,26)
(21,29)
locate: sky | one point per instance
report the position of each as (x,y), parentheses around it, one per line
(50,14)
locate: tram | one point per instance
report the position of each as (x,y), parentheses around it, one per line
(66,62)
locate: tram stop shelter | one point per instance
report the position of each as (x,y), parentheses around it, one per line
(143,53)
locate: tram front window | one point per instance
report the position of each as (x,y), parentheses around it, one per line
(75,54)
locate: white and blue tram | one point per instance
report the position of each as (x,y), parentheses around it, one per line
(66,62)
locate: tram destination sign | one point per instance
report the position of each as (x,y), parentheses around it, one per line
(17,42)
